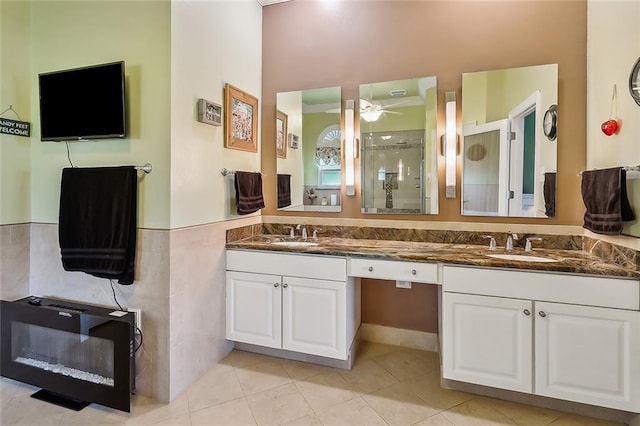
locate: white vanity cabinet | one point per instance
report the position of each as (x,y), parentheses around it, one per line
(301,303)
(588,354)
(254,306)
(563,336)
(487,341)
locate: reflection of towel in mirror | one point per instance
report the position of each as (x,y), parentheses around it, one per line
(604,193)
(549,191)
(248,187)
(284,190)
(98,221)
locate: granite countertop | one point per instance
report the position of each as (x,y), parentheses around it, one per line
(569,261)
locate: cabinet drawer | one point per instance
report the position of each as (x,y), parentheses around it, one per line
(295,265)
(545,286)
(393,270)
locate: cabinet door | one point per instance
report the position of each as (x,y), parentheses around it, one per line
(314,317)
(588,354)
(254,308)
(487,341)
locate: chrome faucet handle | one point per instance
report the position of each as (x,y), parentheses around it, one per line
(492,241)
(292,233)
(315,233)
(527,246)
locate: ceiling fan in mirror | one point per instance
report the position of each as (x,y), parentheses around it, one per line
(371,110)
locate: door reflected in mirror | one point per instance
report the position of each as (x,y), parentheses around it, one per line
(309,172)
(398,146)
(508,164)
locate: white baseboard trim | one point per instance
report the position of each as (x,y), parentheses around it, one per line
(400,337)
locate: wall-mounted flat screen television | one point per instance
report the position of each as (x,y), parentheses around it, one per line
(83,103)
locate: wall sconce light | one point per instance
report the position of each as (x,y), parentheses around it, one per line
(349,148)
(449,142)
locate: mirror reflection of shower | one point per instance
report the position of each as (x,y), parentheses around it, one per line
(398,146)
(392,172)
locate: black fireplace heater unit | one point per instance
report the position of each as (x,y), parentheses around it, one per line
(78,354)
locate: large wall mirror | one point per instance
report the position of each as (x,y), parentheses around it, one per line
(509,126)
(308,150)
(398,146)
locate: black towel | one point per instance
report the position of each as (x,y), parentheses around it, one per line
(604,193)
(248,192)
(549,191)
(284,190)
(98,221)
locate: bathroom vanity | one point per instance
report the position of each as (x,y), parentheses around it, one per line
(515,325)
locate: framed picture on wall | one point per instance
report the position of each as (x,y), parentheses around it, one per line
(281,132)
(209,112)
(293,141)
(241,120)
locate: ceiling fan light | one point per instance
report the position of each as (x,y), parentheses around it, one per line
(370,115)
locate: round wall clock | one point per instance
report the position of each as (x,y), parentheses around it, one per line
(550,123)
(634,82)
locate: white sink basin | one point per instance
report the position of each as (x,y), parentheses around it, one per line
(521,258)
(295,243)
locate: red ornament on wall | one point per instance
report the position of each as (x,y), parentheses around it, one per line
(610,127)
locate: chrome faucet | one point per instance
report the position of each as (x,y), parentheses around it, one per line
(527,246)
(509,244)
(304,232)
(492,241)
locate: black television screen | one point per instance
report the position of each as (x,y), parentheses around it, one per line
(83,103)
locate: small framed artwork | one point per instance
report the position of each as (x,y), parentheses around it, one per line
(241,120)
(281,132)
(293,141)
(209,112)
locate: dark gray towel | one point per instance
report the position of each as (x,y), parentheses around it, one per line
(549,192)
(248,187)
(604,193)
(284,190)
(98,221)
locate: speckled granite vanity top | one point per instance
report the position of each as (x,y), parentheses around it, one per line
(564,260)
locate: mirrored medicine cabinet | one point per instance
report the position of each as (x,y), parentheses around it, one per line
(398,146)
(308,151)
(509,159)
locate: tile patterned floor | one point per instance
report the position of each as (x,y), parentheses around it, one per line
(389,385)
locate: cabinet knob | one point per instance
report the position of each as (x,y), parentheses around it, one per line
(285,285)
(542,314)
(527,312)
(276,285)
(413,272)
(370,268)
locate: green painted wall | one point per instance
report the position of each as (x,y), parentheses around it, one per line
(15,91)
(74,34)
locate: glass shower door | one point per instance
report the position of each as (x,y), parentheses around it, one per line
(392,172)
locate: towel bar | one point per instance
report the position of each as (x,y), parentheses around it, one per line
(225,172)
(628,169)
